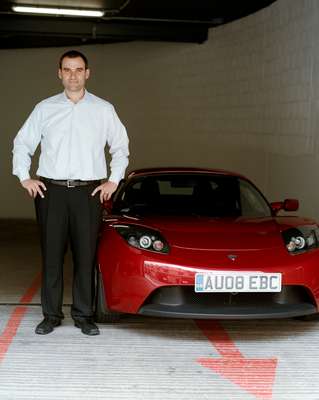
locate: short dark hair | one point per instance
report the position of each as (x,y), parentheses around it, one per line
(73,54)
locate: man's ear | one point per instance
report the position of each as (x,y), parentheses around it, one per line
(60,73)
(87,73)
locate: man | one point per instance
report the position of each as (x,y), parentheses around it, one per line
(73,128)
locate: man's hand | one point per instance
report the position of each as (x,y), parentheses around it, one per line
(34,187)
(106,190)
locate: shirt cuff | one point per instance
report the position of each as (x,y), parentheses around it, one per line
(114,178)
(23,176)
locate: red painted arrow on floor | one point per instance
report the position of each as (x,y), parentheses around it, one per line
(255,375)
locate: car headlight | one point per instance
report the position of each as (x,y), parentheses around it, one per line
(143,238)
(301,239)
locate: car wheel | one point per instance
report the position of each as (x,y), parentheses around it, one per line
(102,313)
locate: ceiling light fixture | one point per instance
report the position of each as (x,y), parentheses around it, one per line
(58,11)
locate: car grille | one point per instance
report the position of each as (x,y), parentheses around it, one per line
(183,302)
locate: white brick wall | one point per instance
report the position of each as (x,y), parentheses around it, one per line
(245,100)
(263,78)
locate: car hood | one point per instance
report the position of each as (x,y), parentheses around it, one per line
(221,233)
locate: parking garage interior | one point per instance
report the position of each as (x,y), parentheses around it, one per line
(196,85)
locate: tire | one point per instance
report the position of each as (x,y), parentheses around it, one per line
(102,313)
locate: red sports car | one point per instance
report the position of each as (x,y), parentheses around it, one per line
(201,243)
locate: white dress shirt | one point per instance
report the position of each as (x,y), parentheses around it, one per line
(73,137)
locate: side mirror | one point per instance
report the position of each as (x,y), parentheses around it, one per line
(276,206)
(291,205)
(108,205)
(286,205)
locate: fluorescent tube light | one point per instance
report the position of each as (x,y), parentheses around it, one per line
(58,11)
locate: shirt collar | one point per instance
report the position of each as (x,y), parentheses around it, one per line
(85,98)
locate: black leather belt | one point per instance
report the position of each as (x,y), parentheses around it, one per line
(70,183)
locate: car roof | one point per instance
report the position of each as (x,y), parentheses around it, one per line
(172,170)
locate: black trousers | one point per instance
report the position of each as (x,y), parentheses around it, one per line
(68,215)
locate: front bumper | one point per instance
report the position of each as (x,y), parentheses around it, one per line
(183,302)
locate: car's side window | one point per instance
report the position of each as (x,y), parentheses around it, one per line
(252,203)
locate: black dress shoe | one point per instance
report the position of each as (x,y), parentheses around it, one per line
(87,326)
(47,325)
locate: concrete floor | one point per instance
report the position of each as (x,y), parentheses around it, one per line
(142,358)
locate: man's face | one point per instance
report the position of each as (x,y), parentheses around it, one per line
(73,74)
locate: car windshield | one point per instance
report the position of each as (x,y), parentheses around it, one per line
(191,194)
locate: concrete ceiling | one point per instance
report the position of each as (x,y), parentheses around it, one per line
(124,20)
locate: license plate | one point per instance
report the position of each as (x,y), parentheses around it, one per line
(225,281)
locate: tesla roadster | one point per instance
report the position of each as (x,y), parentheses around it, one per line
(200,243)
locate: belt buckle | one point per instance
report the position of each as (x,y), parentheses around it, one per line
(69,185)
